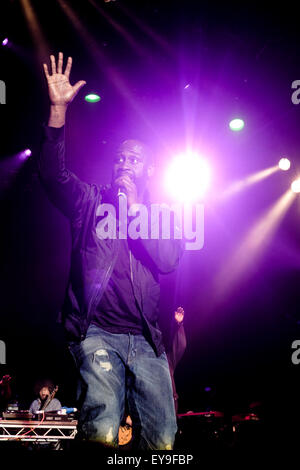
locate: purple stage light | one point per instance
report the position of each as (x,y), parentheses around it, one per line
(25,154)
(187,86)
(5,42)
(187,178)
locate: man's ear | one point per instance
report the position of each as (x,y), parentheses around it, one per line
(150,171)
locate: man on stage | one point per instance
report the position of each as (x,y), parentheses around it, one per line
(110,311)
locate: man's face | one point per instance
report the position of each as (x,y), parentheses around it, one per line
(44,393)
(131,160)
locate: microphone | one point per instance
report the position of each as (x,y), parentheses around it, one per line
(121,192)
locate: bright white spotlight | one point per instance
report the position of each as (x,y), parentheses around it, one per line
(284,164)
(236,124)
(295,186)
(187,177)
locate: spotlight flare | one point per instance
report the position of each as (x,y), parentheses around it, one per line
(236,124)
(188,177)
(295,186)
(284,164)
(25,154)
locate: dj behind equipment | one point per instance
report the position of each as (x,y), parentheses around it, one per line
(46,425)
(45,405)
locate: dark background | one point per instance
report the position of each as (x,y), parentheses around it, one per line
(239,60)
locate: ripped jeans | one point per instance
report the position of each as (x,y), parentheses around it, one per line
(118,367)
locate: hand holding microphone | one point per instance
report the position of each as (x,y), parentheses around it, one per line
(121,192)
(127,187)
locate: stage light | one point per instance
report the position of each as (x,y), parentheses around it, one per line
(187,86)
(295,186)
(5,42)
(236,124)
(284,164)
(246,254)
(187,178)
(35,28)
(92,98)
(248,181)
(25,154)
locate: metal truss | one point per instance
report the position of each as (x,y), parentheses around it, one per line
(37,431)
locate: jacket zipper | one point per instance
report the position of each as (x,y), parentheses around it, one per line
(95,296)
(131,277)
(130,262)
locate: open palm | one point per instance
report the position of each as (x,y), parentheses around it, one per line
(179,314)
(61,92)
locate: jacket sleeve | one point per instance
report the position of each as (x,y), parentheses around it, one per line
(64,189)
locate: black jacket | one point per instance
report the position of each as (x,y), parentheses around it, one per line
(92,259)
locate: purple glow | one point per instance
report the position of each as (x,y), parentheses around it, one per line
(187,178)
(207,389)
(187,86)
(5,42)
(25,154)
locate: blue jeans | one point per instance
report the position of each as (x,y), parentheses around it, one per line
(116,367)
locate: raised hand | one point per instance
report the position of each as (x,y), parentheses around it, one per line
(179,314)
(124,181)
(61,92)
(5,380)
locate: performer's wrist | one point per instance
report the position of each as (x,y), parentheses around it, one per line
(57,116)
